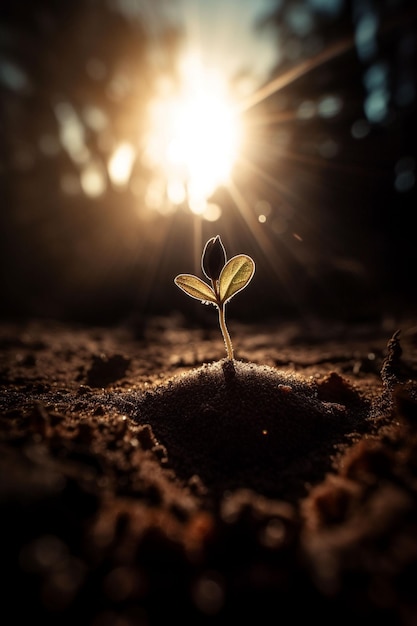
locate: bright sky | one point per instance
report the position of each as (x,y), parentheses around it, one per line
(224,34)
(222,31)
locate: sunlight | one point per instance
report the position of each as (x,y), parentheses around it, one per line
(195,137)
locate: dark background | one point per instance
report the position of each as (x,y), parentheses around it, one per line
(332,153)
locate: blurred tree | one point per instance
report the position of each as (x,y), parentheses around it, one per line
(76,79)
(335,152)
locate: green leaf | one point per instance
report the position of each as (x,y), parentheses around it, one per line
(195,287)
(235,275)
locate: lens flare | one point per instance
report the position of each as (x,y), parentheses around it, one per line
(195,137)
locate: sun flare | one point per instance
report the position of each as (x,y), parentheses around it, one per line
(195,137)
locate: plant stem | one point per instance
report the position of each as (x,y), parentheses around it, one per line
(225,332)
(222,320)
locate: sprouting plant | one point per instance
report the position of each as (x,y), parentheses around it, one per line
(227,278)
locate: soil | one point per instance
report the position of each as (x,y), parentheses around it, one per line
(146,478)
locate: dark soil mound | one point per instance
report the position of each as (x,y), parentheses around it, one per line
(241,424)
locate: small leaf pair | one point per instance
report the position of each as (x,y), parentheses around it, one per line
(227,278)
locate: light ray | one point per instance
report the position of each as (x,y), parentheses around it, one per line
(275,117)
(322,162)
(265,245)
(297,72)
(262,175)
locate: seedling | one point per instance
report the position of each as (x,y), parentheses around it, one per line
(227,278)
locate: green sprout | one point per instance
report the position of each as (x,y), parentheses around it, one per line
(227,279)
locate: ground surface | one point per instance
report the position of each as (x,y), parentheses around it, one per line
(144,477)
